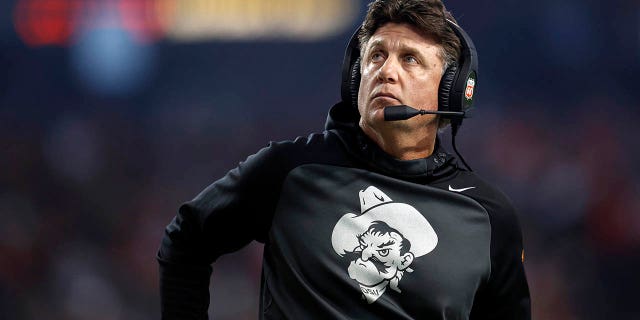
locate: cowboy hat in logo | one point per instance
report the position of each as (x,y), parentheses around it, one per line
(381,242)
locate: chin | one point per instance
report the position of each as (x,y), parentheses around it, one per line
(376,112)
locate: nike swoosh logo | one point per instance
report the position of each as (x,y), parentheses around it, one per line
(459,190)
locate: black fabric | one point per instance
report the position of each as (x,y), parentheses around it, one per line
(322,287)
(292,194)
(184,290)
(501,296)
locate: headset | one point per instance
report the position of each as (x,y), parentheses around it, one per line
(455,93)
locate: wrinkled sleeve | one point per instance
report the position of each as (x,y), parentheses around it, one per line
(226,216)
(505,296)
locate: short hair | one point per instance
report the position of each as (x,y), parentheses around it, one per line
(381,228)
(427,16)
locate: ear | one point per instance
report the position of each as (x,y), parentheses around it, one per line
(406,260)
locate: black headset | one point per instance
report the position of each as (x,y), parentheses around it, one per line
(457,86)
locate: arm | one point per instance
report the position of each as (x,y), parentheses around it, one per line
(505,296)
(223,218)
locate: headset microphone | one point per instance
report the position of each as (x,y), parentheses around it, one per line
(404,112)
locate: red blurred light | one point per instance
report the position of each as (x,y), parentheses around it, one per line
(53,22)
(45,22)
(141,18)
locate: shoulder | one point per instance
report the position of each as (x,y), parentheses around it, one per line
(302,143)
(489,195)
(503,215)
(316,147)
(276,160)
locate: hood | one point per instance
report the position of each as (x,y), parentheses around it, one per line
(343,121)
(342,116)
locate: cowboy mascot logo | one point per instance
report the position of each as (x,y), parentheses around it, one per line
(471,84)
(381,242)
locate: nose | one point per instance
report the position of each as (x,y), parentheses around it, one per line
(388,72)
(366,254)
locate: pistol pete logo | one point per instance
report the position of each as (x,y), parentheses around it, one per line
(468,93)
(381,242)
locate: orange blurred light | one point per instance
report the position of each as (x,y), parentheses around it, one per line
(45,22)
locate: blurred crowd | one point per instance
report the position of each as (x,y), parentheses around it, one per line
(90,178)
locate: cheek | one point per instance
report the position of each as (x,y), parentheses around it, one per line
(363,87)
(393,258)
(425,91)
(361,92)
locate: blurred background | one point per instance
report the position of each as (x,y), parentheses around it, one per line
(114,112)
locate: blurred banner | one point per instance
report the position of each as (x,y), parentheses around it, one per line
(115,112)
(55,22)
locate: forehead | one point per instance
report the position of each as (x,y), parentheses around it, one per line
(401,35)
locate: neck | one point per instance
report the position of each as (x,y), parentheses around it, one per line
(404,144)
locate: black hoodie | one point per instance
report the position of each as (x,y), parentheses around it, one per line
(350,232)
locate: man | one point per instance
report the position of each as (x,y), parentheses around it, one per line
(449,248)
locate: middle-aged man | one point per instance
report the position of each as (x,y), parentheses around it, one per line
(371,219)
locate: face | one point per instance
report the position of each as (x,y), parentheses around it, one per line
(399,66)
(380,258)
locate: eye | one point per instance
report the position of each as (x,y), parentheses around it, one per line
(383,252)
(377,57)
(410,59)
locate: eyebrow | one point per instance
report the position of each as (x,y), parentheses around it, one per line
(386,244)
(403,48)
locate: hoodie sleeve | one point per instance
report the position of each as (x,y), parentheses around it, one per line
(505,296)
(226,216)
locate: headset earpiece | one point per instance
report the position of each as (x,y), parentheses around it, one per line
(351,72)
(354,83)
(460,84)
(444,90)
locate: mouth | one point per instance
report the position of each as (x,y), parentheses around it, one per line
(383,95)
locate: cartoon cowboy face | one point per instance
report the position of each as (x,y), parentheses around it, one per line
(381,242)
(383,251)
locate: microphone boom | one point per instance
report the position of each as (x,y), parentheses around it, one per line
(404,112)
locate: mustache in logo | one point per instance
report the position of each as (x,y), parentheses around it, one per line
(357,254)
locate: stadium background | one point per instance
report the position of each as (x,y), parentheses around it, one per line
(113,112)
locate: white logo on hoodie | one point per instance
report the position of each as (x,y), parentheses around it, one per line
(381,242)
